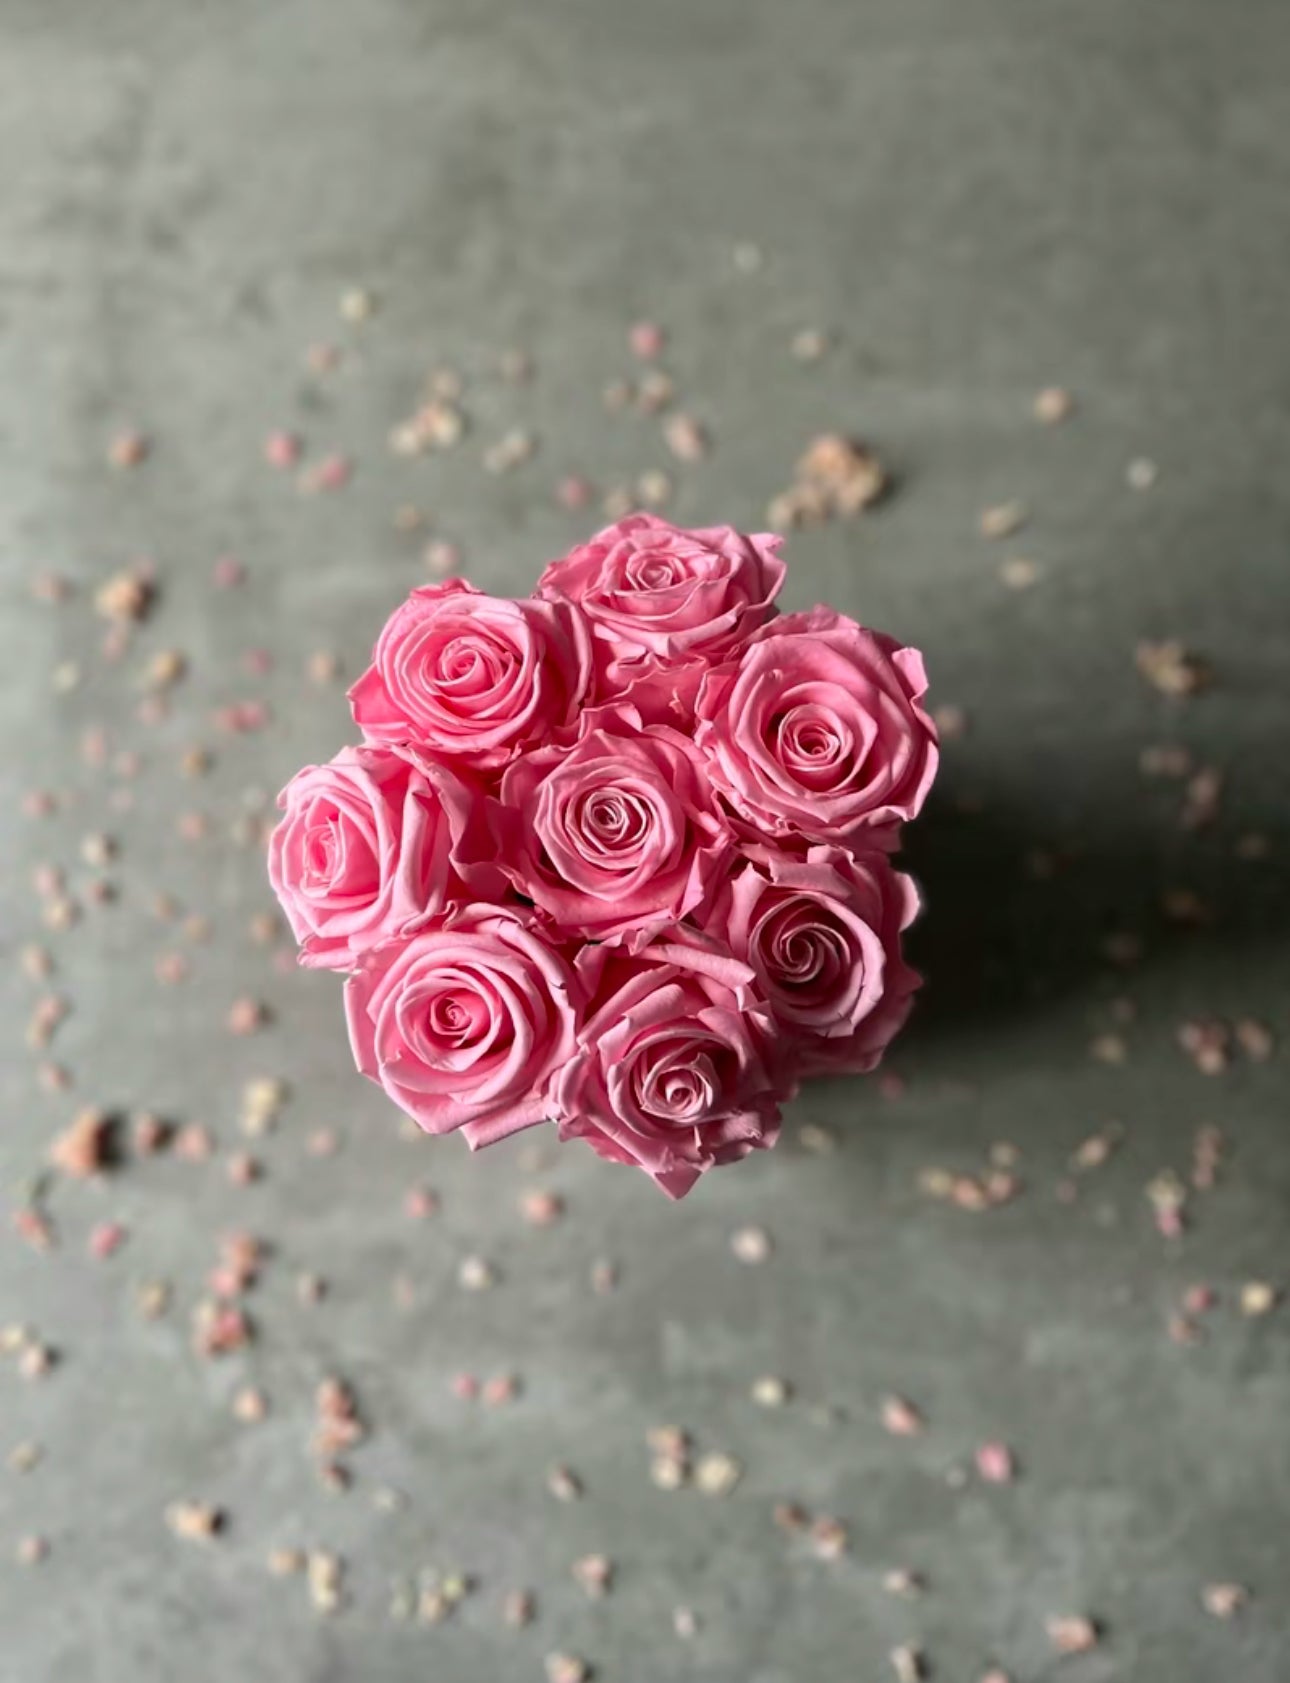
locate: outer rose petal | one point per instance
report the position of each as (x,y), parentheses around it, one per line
(466,1022)
(816,732)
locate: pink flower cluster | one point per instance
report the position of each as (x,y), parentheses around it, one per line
(618,854)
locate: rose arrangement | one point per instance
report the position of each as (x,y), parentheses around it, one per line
(618,854)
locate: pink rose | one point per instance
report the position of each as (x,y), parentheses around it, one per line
(464,1023)
(656,595)
(461,673)
(815,730)
(367,844)
(823,934)
(620,834)
(671,1072)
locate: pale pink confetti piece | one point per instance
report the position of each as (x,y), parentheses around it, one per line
(107,1239)
(574,493)
(901,1418)
(995,1463)
(282,450)
(646,340)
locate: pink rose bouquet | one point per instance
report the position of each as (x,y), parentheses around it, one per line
(618,855)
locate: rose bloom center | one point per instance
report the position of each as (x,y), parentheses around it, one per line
(613,818)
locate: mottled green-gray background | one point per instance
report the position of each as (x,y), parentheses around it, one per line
(976,198)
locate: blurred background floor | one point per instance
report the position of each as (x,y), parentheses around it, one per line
(894,219)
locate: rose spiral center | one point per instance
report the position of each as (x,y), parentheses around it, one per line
(652,571)
(803,951)
(678,1082)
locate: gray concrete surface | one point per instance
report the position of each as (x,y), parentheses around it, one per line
(977,198)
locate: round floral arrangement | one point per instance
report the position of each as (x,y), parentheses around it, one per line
(617,855)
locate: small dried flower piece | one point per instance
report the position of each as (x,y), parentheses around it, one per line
(829,1539)
(125,598)
(564,1484)
(1002,520)
(282,450)
(1258,1297)
(34,1228)
(31,1550)
(24,1456)
(669,1472)
(685,438)
(218,1329)
(511,451)
(574,492)
(716,1474)
(1096,1149)
(356,304)
(84,1149)
(566,1668)
(106,1239)
(194,1522)
(901,1418)
(593,1573)
(541,1209)
(128,450)
(502,1388)
(332,473)
(1170,668)
(1207,1042)
(153,1299)
(518,1609)
(338,1423)
(995,1463)
(907,1663)
(809,344)
(1224,1601)
(35,1361)
(653,488)
(325,1575)
(1053,405)
(1109,1049)
(262,1102)
(770,1391)
(250,1405)
(246,1016)
(1018,572)
(656,391)
(646,340)
(476,1274)
(420,1203)
(902,1582)
(1255,1040)
(751,1244)
(1072,1633)
(836,477)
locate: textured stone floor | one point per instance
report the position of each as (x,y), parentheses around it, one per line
(974,200)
